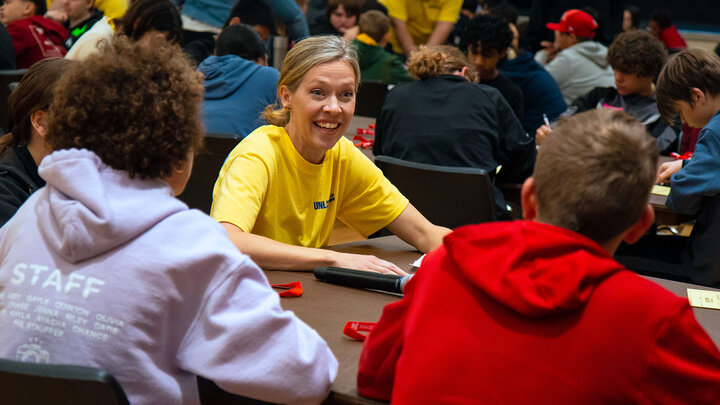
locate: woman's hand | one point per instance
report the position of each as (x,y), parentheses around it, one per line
(542,133)
(365,262)
(666,170)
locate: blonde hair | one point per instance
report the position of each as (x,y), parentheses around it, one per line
(305,55)
(374,23)
(436,60)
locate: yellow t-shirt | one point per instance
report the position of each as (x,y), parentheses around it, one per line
(266,187)
(420,17)
(111,8)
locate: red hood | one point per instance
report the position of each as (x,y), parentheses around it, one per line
(536,269)
(51,27)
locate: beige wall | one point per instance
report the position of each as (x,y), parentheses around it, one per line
(705,41)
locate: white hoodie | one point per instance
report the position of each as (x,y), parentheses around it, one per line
(102,270)
(579,69)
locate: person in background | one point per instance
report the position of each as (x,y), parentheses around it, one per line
(281,189)
(203,19)
(445,119)
(7,52)
(77,16)
(341,18)
(111,9)
(576,62)
(689,84)
(541,94)
(662,28)
(537,310)
(467,12)
(636,58)
(147,19)
(238,83)
(33,35)
(488,39)
(377,65)
(631,18)
(169,297)
(22,150)
(418,22)
(144,20)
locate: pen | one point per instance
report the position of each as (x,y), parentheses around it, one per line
(545,118)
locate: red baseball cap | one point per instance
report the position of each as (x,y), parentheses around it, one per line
(575,22)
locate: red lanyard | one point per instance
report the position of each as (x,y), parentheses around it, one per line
(352,329)
(294,289)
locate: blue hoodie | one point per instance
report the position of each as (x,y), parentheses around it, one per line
(236,92)
(540,92)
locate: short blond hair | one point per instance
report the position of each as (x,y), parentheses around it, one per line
(374,23)
(437,60)
(593,175)
(305,55)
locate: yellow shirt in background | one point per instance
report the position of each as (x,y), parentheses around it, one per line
(420,17)
(266,187)
(111,8)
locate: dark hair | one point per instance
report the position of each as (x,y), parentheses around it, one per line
(506,11)
(661,17)
(40,6)
(492,33)
(374,23)
(637,52)
(693,68)
(352,7)
(136,107)
(634,15)
(470,5)
(612,162)
(146,15)
(33,93)
(240,40)
(373,5)
(252,13)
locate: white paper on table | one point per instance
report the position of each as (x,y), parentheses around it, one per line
(418,262)
(704,298)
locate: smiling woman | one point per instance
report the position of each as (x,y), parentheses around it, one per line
(281,189)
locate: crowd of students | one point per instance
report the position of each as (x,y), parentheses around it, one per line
(104,139)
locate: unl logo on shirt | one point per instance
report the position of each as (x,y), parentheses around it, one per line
(323,205)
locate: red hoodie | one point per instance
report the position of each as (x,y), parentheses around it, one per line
(671,38)
(36,38)
(524,312)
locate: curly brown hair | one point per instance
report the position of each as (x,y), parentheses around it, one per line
(637,52)
(436,60)
(135,107)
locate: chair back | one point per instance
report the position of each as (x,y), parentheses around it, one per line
(8,82)
(446,196)
(211,394)
(53,384)
(370,97)
(206,167)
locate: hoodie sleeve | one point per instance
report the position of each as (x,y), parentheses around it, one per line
(684,364)
(698,179)
(244,342)
(560,68)
(381,351)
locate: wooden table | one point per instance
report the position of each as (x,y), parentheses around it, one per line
(327,307)
(359,121)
